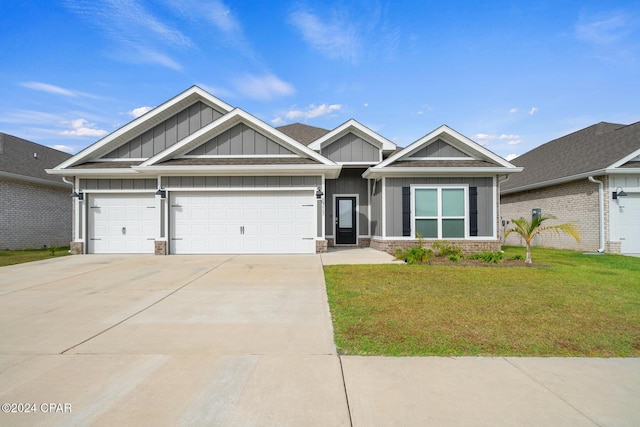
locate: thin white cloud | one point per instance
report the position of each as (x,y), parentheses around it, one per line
(513,110)
(335,38)
(366,104)
(263,88)
(81,127)
(510,157)
(140,111)
(65,148)
(313,111)
(49,88)
(603,28)
(485,138)
(139,35)
(533,111)
(277,121)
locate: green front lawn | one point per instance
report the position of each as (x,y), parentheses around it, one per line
(18,257)
(575,305)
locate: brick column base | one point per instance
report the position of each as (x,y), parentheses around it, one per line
(161,247)
(76,248)
(321,246)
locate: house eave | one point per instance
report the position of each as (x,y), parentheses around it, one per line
(556,181)
(32,180)
(328,171)
(373,173)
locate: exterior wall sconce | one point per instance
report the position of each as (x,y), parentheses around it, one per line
(319,194)
(162,193)
(79,195)
(618,193)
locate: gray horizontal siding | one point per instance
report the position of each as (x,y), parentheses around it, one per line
(350,181)
(167,133)
(239,181)
(351,148)
(439,148)
(240,140)
(393,205)
(118,184)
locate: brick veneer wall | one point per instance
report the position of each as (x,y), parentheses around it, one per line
(576,202)
(32,215)
(467,246)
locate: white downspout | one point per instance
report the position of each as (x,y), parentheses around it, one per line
(499,219)
(601,204)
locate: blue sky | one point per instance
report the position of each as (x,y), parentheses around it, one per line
(510,75)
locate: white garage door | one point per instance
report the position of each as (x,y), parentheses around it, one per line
(121,223)
(267,222)
(630,223)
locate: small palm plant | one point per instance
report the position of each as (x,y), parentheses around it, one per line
(528,230)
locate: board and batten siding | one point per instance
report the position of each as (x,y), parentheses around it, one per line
(393,205)
(350,181)
(239,140)
(439,148)
(118,184)
(240,181)
(167,133)
(351,148)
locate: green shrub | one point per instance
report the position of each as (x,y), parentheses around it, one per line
(415,255)
(443,249)
(518,257)
(488,257)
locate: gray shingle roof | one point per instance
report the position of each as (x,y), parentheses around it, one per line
(302,133)
(25,158)
(588,150)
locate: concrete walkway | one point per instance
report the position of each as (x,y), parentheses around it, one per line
(248,340)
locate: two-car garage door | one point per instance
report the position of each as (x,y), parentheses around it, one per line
(205,222)
(242,222)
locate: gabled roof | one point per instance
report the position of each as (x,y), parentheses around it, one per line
(358,129)
(144,123)
(25,160)
(595,150)
(302,133)
(476,159)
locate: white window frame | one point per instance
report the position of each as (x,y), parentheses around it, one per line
(439,217)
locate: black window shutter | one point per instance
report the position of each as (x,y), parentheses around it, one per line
(406,211)
(473,211)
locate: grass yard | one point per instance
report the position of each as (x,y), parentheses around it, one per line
(18,257)
(575,305)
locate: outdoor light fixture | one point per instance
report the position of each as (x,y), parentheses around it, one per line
(618,193)
(162,193)
(319,194)
(79,195)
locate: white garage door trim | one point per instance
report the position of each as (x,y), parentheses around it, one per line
(121,223)
(629,223)
(242,222)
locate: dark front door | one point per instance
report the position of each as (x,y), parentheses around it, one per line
(345,220)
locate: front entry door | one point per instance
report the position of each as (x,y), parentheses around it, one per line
(345,220)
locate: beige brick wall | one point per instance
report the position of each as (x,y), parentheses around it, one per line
(576,202)
(468,246)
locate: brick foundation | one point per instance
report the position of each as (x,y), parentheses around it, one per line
(468,246)
(76,248)
(363,242)
(160,247)
(321,246)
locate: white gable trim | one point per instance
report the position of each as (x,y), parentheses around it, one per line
(352,126)
(625,159)
(146,122)
(226,122)
(458,137)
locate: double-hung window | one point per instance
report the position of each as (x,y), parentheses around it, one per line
(440,212)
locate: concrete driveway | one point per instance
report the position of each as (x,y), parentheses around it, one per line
(146,340)
(248,341)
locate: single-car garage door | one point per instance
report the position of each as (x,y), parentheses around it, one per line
(242,222)
(629,223)
(121,223)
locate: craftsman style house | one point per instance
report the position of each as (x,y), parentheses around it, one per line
(195,175)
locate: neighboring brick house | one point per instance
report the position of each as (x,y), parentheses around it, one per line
(590,177)
(35,207)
